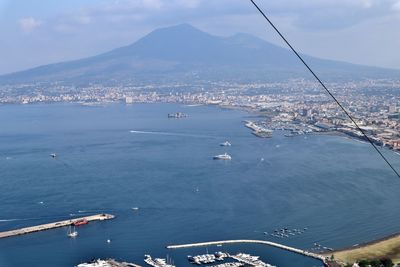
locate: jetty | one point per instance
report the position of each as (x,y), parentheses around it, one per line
(48,226)
(263,242)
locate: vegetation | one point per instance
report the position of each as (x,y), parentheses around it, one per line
(376,263)
(388,248)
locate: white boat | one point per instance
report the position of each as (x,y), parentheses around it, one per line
(226,143)
(223,157)
(72,233)
(157,262)
(53,155)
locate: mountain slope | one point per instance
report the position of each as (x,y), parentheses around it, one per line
(183,49)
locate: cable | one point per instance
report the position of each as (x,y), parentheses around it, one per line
(326,89)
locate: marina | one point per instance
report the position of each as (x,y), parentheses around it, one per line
(229,264)
(157,262)
(258,131)
(107,263)
(207,258)
(268,243)
(250,260)
(241,259)
(53,225)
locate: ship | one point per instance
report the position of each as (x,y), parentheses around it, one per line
(80,222)
(226,143)
(177,115)
(223,157)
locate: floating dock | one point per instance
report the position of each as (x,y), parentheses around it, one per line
(48,226)
(268,243)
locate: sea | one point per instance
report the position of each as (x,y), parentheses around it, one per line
(115,157)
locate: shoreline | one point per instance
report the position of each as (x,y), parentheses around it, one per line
(386,247)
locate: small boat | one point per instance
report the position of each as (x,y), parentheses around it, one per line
(53,155)
(223,157)
(72,233)
(177,115)
(80,222)
(135,208)
(226,143)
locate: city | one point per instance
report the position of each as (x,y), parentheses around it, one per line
(297,105)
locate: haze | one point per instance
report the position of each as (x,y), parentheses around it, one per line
(38,32)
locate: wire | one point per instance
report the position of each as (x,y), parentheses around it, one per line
(326,89)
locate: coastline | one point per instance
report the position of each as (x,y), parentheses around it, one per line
(386,247)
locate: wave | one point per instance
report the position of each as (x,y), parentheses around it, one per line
(194,105)
(173,134)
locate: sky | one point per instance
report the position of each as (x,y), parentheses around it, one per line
(39,32)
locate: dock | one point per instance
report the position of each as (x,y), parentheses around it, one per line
(48,226)
(268,243)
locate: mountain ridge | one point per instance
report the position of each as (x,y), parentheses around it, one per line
(184,49)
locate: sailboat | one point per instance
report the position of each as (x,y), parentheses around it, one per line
(72,233)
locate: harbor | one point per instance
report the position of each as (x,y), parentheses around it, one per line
(107,263)
(241,259)
(258,130)
(53,225)
(158,262)
(263,242)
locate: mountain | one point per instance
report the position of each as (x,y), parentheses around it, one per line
(183,51)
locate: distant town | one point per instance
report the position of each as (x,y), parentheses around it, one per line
(299,106)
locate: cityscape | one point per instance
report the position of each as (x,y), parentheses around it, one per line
(297,105)
(199,133)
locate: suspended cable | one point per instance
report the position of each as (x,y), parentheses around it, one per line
(326,89)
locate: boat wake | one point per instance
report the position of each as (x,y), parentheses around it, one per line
(194,105)
(18,219)
(173,134)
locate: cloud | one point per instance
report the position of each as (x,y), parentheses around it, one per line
(305,14)
(396,6)
(29,24)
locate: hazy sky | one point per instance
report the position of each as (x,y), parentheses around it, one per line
(37,32)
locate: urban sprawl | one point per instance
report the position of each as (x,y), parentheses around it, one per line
(299,106)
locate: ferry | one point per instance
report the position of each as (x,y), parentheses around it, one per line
(226,143)
(223,157)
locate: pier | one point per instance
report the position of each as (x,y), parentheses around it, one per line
(268,243)
(48,226)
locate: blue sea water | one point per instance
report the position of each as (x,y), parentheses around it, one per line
(115,157)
